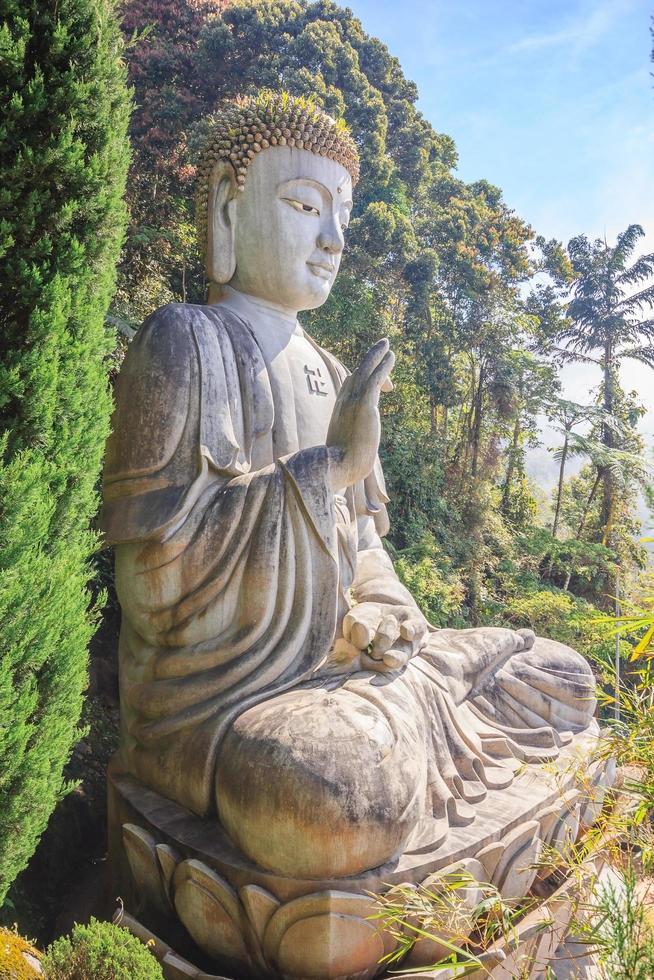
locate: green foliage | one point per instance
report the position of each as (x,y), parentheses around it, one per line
(560,616)
(620,932)
(637,621)
(63,162)
(100,951)
(428,576)
(461,918)
(606,326)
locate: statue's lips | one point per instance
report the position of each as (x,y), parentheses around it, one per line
(320,270)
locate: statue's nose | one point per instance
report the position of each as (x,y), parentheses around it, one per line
(331,239)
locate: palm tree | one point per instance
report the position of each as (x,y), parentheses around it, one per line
(606,324)
(624,469)
(565,416)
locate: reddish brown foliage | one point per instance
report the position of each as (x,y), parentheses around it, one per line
(163,69)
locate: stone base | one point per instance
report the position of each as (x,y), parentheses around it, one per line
(536,945)
(182,879)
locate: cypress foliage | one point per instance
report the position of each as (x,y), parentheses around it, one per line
(64,111)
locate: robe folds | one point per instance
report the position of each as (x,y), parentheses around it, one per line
(234,568)
(231,580)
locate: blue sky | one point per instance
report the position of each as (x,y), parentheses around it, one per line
(552,100)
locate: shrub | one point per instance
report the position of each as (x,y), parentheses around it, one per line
(563,617)
(426,572)
(100,951)
(63,161)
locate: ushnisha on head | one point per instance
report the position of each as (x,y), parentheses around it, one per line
(275,180)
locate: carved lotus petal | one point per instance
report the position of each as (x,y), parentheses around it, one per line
(330,946)
(325,935)
(259,906)
(513,875)
(593,799)
(454,901)
(168,859)
(564,829)
(489,858)
(210,911)
(140,847)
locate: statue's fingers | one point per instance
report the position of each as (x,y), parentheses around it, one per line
(413,630)
(367,617)
(343,652)
(368,662)
(396,659)
(383,369)
(362,635)
(529,638)
(371,359)
(387,633)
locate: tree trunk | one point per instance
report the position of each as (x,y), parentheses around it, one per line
(608,503)
(511,466)
(589,503)
(461,442)
(559,489)
(582,523)
(476,424)
(433,418)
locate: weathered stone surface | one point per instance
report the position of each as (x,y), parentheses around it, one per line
(527,950)
(141,850)
(330,945)
(210,910)
(259,906)
(267,906)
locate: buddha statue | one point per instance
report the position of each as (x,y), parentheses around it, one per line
(276,677)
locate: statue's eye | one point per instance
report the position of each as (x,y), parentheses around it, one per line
(300,206)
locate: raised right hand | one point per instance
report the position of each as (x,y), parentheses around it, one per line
(355,427)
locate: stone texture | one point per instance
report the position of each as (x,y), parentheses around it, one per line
(281,920)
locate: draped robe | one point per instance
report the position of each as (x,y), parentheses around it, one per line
(233,580)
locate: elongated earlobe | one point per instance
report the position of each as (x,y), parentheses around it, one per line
(221,225)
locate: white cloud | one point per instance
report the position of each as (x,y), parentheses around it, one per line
(580,34)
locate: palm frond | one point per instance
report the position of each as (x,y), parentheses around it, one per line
(643,354)
(570,354)
(626,242)
(623,465)
(637,301)
(643,268)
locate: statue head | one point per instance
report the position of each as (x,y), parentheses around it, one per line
(274,199)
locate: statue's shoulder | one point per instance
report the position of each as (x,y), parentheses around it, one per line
(179,331)
(181,321)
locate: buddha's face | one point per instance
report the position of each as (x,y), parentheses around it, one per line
(289,225)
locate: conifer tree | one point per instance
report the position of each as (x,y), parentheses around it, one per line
(64,110)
